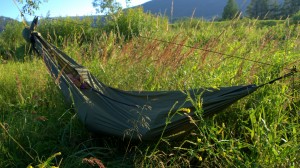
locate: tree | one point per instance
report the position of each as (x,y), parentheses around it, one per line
(29,6)
(296,17)
(290,7)
(274,10)
(258,9)
(231,10)
(107,6)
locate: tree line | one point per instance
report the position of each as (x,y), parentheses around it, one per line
(258,9)
(263,9)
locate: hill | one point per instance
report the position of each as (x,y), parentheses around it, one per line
(207,9)
(3,21)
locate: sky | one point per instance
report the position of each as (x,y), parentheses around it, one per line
(57,8)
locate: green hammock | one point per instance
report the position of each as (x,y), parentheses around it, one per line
(129,114)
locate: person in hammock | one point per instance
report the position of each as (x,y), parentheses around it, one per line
(78,81)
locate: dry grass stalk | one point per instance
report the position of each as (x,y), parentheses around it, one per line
(19,88)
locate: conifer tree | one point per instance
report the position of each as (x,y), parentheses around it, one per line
(231,10)
(258,9)
(290,7)
(274,10)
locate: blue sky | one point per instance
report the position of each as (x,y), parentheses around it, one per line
(57,8)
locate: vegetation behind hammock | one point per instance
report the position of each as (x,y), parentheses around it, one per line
(261,130)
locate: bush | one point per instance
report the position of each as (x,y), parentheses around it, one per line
(133,22)
(12,44)
(268,23)
(296,17)
(59,29)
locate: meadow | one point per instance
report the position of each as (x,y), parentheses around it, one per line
(138,51)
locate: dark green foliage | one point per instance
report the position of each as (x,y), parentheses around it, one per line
(231,10)
(258,9)
(56,30)
(290,7)
(269,23)
(296,17)
(12,43)
(3,22)
(272,9)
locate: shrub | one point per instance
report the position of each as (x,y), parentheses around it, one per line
(12,44)
(267,23)
(296,17)
(59,29)
(132,22)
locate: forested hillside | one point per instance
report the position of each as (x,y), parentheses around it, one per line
(187,8)
(3,22)
(210,9)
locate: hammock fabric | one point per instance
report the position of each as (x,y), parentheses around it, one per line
(130,114)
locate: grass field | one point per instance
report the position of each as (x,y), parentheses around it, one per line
(262,130)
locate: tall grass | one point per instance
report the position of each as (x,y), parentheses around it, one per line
(257,131)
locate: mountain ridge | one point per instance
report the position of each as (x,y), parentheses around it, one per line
(3,22)
(207,9)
